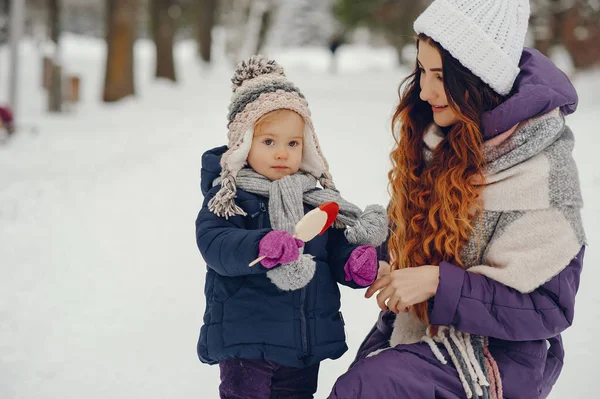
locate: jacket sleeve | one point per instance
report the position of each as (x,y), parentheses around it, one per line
(476,304)
(338,252)
(226,245)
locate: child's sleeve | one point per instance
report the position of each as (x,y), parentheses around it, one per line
(338,252)
(226,245)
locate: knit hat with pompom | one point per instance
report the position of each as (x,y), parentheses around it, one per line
(259,87)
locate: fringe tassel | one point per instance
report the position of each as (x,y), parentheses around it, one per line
(459,369)
(471,353)
(454,336)
(434,348)
(223,203)
(495,375)
(477,370)
(493,388)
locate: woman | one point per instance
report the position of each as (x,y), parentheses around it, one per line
(487,244)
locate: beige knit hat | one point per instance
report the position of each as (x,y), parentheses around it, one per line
(486,36)
(259,87)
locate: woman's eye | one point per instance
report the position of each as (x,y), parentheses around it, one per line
(268,142)
(441,79)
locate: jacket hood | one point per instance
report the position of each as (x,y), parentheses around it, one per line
(211,167)
(540,87)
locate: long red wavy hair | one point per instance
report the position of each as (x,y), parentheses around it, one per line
(434,204)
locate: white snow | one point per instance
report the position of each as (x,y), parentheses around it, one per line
(101,283)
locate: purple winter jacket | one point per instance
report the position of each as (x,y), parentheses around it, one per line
(523,329)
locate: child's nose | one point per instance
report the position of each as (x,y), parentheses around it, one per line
(281,153)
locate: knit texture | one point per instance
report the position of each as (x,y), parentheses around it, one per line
(286,207)
(278,246)
(486,36)
(362,266)
(529,231)
(259,87)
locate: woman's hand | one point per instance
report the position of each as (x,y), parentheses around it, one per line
(384,269)
(403,288)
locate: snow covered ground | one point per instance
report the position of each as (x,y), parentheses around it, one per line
(101,284)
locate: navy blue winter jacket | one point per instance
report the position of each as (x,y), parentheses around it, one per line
(246,315)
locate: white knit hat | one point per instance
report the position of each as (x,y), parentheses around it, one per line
(486,36)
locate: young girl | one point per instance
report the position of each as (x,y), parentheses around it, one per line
(268,326)
(487,242)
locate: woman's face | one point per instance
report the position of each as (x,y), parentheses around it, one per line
(432,85)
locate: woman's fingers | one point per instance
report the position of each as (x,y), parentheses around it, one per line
(383,296)
(377,285)
(393,303)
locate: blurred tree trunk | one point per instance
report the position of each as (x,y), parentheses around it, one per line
(266,21)
(542,24)
(121,32)
(163,31)
(574,25)
(395,19)
(206,21)
(235,18)
(580,34)
(55,89)
(253,27)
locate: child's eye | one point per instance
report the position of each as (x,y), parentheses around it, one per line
(269,142)
(294,144)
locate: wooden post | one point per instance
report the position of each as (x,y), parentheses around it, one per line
(73,89)
(47,64)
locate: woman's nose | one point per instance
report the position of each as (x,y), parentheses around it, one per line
(427,94)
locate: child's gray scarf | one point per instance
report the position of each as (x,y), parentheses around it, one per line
(529,231)
(286,207)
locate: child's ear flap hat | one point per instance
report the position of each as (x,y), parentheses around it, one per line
(259,87)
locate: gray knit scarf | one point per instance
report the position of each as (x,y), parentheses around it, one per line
(529,231)
(286,199)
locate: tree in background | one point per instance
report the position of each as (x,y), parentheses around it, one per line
(575,24)
(4,4)
(55,94)
(580,33)
(302,23)
(392,18)
(246,25)
(164,15)
(121,33)
(207,14)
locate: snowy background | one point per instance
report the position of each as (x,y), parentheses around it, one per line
(101,283)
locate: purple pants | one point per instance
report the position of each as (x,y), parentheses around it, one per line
(264,379)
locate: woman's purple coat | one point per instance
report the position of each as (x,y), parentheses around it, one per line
(523,329)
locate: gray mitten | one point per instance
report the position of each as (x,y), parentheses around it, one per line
(294,275)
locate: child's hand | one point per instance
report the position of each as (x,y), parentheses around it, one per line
(279,247)
(362,265)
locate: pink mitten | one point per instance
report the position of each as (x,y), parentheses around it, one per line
(278,247)
(362,265)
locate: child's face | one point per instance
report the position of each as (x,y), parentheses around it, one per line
(277,144)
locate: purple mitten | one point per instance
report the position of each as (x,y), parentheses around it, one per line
(362,265)
(278,247)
